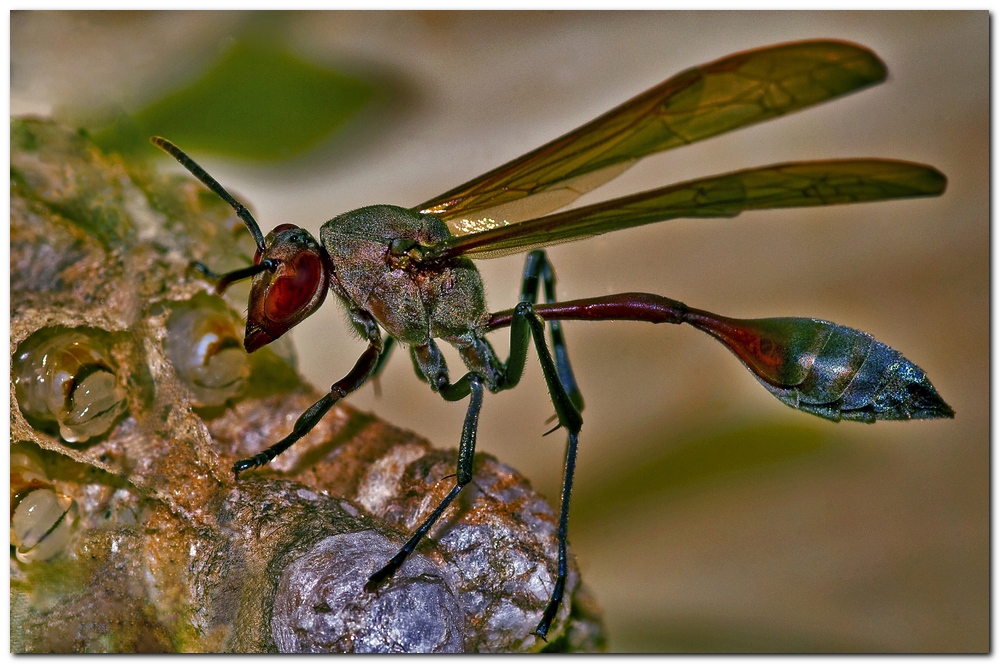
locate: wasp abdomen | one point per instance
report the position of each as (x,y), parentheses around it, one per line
(826,369)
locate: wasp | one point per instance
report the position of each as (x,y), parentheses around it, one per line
(406,275)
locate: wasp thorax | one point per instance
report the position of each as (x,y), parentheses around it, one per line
(203,343)
(376,252)
(68,378)
(294,288)
(41,519)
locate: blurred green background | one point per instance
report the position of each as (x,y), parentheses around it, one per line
(707,516)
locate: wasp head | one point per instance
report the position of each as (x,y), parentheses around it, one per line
(290,269)
(291,288)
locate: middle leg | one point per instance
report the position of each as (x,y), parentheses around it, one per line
(526,326)
(470,384)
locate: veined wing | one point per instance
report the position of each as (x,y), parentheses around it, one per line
(796,184)
(733,92)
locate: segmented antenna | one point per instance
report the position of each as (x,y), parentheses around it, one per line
(213,184)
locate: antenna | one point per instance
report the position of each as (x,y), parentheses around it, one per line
(213,184)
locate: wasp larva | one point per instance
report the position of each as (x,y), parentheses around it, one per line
(41,519)
(207,352)
(69,378)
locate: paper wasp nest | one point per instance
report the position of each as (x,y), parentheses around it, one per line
(130,400)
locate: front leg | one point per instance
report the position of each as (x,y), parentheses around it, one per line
(362,370)
(224,280)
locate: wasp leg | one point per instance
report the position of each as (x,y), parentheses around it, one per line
(470,383)
(206,271)
(524,322)
(525,326)
(557,592)
(352,381)
(387,345)
(537,266)
(223,281)
(570,419)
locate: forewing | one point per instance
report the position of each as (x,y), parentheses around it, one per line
(797,184)
(733,92)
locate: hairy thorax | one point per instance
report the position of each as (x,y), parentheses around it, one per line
(412,303)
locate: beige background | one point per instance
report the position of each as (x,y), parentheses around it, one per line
(880,540)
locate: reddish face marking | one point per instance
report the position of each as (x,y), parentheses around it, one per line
(296,287)
(293,285)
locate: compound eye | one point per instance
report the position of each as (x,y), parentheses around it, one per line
(294,286)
